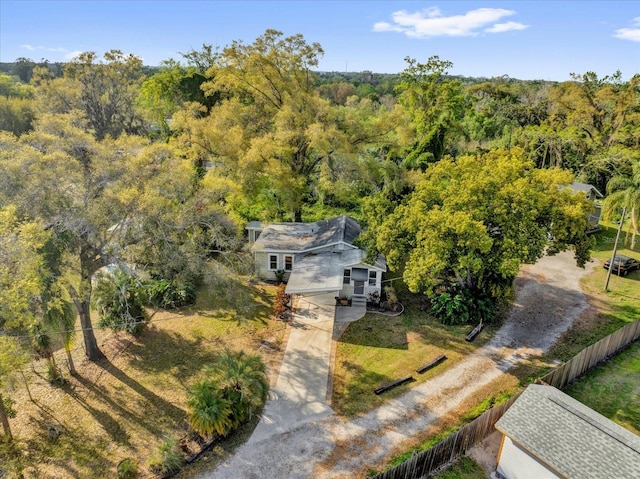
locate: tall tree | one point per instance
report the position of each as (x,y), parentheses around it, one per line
(12,358)
(473,221)
(624,191)
(272,137)
(22,275)
(105,91)
(436,105)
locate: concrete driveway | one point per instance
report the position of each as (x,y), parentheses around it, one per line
(300,393)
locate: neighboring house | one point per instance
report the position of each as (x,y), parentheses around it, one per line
(316,257)
(547,434)
(592,194)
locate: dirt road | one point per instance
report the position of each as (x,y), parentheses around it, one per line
(548,301)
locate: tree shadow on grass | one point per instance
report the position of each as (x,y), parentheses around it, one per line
(158,350)
(72,450)
(156,403)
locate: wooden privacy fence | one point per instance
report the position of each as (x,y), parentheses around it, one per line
(450,448)
(591,356)
(453,446)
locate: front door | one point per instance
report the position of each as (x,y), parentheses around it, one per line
(358,287)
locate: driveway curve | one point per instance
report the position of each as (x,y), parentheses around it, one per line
(548,301)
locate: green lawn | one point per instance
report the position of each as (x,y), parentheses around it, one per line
(378,349)
(463,468)
(613,389)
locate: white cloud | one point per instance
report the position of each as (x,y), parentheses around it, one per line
(68,55)
(431,22)
(73,55)
(632,34)
(506,27)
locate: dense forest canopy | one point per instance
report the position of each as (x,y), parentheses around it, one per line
(158,169)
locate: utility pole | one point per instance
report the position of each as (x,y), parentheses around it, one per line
(615,249)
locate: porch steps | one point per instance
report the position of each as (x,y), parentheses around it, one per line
(358,301)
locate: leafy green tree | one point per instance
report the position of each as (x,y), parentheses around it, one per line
(111,201)
(16,115)
(104,91)
(436,105)
(23,68)
(22,269)
(12,358)
(472,222)
(624,191)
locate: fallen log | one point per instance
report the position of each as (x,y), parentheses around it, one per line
(431,364)
(393,384)
(472,335)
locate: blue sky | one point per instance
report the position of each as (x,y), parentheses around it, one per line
(543,39)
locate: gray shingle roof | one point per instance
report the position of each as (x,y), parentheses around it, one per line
(586,188)
(301,237)
(569,437)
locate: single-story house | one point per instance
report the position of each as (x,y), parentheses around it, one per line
(547,434)
(316,257)
(592,194)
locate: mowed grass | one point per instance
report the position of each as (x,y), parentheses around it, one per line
(378,349)
(463,468)
(126,405)
(613,389)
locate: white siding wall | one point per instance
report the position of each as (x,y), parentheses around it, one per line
(516,463)
(347,289)
(263,263)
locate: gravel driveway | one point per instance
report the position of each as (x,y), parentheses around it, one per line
(548,301)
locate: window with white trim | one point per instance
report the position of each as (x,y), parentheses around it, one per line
(273,262)
(346,276)
(288,263)
(373,276)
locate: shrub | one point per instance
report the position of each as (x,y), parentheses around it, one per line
(127,469)
(167,459)
(392,296)
(209,411)
(462,306)
(279,275)
(233,390)
(119,299)
(169,294)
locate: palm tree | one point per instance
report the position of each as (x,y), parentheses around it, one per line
(44,349)
(625,191)
(210,412)
(61,317)
(243,382)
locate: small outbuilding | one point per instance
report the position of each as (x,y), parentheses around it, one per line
(547,434)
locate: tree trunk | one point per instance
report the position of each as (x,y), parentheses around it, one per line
(72,367)
(91,348)
(4,419)
(82,300)
(297,214)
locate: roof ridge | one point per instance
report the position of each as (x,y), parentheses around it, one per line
(592,422)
